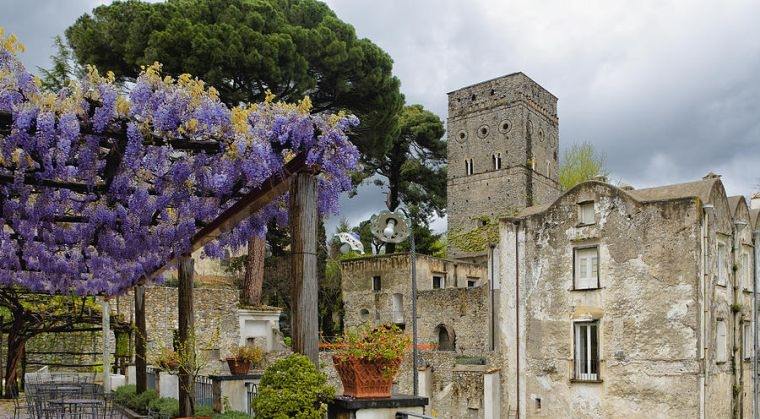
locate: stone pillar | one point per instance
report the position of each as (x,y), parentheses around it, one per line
(426,384)
(106,316)
(169,385)
(492,394)
(509,294)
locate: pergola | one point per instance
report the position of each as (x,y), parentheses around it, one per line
(90,175)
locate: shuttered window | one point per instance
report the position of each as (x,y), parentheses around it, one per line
(586,268)
(586,213)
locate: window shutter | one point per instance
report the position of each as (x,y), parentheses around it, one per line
(586,268)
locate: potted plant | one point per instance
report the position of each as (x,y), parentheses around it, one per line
(167,360)
(367,360)
(242,358)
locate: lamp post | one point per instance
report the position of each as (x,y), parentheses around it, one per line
(395,227)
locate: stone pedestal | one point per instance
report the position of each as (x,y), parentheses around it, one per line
(168,385)
(131,374)
(258,327)
(237,390)
(343,407)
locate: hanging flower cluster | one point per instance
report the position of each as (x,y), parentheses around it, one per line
(99,187)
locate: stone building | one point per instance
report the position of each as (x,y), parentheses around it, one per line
(597,302)
(629,303)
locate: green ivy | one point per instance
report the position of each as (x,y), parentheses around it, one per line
(477,239)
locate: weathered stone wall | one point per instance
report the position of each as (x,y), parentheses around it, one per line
(216,320)
(463,311)
(511,116)
(395,277)
(68,351)
(646,307)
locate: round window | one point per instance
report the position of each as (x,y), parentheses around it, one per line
(483,131)
(461,136)
(505,126)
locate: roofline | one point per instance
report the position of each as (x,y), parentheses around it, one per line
(395,254)
(501,77)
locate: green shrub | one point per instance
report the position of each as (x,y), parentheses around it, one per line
(165,406)
(204,411)
(139,403)
(122,395)
(292,387)
(232,415)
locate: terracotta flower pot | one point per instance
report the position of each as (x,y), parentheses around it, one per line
(238,366)
(364,379)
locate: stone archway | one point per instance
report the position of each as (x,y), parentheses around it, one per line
(446,338)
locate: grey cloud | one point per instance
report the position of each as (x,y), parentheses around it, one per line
(668,90)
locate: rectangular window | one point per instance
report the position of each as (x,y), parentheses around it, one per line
(586,213)
(586,261)
(471,283)
(437,282)
(376,283)
(747,339)
(746,272)
(587,351)
(720,341)
(721,260)
(469,167)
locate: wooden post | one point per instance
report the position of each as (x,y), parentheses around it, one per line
(141,334)
(186,335)
(303,233)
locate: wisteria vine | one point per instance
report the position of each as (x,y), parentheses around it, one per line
(103,240)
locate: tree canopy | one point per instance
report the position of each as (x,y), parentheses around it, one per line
(245,48)
(580,163)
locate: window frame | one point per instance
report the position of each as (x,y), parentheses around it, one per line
(377,286)
(746,271)
(575,267)
(721,351)
(590,377)
(441,283)
(721,258)
(584,205)
(747,340)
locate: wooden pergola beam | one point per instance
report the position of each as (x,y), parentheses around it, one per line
(245,207)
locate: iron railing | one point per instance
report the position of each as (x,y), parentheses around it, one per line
(251,390)
(152,376)
(203,392)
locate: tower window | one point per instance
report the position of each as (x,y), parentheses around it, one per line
(376,286)
(468,166)
(496,160)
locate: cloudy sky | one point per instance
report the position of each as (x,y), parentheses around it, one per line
(668,90)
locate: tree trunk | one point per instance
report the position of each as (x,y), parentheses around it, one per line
(305,288)
(186,332)
(254,271)
(16,347)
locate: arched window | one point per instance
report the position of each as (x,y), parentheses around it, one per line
(446,338)
(468,166)
(496,161)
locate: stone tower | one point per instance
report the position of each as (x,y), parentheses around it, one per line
(503,140)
